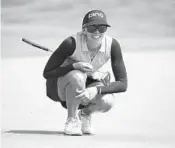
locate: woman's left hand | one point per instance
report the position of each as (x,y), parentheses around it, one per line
(87,95)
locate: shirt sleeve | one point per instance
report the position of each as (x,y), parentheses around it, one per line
(119,71)
(53,67)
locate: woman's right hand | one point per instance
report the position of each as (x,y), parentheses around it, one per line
(83,66)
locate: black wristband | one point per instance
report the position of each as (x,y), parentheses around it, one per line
(99,90)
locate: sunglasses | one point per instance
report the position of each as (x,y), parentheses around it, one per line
(94,28)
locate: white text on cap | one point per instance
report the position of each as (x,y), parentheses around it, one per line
(95,14)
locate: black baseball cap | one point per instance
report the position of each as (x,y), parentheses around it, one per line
(95,17)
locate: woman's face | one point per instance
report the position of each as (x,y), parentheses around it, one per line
(95,33)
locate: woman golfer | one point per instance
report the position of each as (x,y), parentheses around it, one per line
(74,78)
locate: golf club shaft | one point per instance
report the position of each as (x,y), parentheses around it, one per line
(36,45)
(40,47)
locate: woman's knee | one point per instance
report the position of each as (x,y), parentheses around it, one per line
(107,102)
(76,77)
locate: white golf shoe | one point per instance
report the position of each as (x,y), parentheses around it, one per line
(86,123)
(72,127)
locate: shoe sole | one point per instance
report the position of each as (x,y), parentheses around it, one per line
(72,134)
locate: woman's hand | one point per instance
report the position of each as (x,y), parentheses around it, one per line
(86,95)
(83,66)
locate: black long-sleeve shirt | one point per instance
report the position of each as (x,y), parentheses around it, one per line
(53,67)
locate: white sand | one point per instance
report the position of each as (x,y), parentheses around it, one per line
(144,116)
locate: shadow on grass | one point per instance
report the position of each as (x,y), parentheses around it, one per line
(38,132)
(106,137)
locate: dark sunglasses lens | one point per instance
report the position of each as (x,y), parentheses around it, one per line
(91,29)
(102,29)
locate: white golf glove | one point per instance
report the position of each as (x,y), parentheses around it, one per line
(83,66)
(86,95)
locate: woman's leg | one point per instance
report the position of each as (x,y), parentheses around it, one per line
(67,86)
(101,103)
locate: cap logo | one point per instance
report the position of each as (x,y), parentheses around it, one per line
(95,14)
